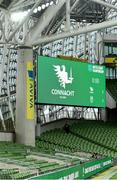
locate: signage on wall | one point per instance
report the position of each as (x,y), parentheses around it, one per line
(30,91)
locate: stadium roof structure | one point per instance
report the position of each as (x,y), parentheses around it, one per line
(33,22)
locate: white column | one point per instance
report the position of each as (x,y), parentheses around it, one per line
(25,118)
(67,15)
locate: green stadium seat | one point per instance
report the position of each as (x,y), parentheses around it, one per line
(89,136)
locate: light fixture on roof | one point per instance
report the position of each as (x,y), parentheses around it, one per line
(39,8)
(18,16)
(84,20)
(43,6)
(35,10)
(51,3)
(47,4)
(28,10)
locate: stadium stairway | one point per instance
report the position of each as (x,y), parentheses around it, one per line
(111,93)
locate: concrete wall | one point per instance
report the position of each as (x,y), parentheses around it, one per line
(6,137)
(110,102)
(52,125)
(25,126)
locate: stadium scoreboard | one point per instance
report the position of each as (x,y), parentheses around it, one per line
(65,82)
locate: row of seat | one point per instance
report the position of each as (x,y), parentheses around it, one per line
(87,136)
(19,155)
(101,133)
(15,174)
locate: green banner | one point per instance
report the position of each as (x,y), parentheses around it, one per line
(91,168)
(68,82)
(80,171)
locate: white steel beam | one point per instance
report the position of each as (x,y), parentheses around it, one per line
(1,117)
(8,89)
(24,20)
(2,29)
(73,6)
(44,21)
(6,30)
(105,4)
(20,4)
(83,30)
(13,3)
(67,15)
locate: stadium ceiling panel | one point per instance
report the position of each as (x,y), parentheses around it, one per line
(24,21)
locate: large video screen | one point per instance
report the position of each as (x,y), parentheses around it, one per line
(65,82)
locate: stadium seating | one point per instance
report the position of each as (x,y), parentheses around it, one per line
(20,155)
(15,174)
(87,136)
(22,175)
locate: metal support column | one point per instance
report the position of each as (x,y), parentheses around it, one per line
(25,123)
(67,15)
(85,45)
